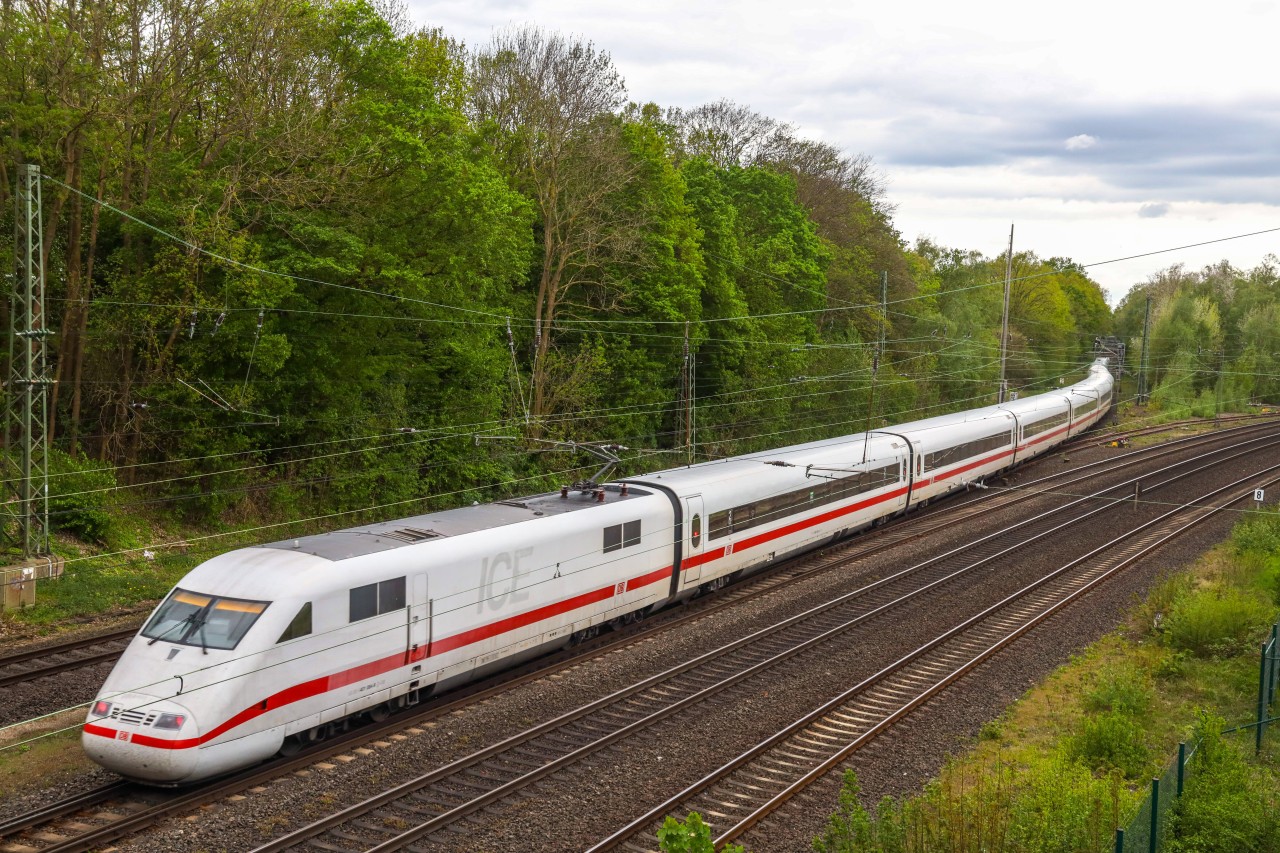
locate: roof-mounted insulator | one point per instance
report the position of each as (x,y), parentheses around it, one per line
(600,496)
(564,491)
(623,491)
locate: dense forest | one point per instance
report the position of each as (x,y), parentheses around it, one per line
(305,260)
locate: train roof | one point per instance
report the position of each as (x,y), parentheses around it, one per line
(387,535)
(845,449)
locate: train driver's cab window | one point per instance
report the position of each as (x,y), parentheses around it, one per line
(377,598)
(300,626)
(209,621)
(695,531)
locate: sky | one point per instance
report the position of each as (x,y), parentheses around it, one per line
(1098,130)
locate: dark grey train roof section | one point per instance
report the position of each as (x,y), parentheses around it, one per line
(385,535)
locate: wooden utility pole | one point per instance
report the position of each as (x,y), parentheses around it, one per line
(1142,365)
(684,419)
(1004,320)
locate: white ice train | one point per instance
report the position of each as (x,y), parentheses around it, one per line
(267,648)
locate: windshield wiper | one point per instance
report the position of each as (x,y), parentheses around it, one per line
(204,641)
(189,619)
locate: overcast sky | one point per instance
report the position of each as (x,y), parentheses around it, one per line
(1099,129)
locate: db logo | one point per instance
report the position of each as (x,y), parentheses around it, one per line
(124,736)
(620,588)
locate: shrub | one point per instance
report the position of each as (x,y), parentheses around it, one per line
(692,836)
(1226,806)
(1125,688)
(1216,622)
(1111,740)
(1160,601)
(79,492)
(1259,533)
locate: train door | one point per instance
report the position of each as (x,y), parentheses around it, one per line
(694,538)
(419,619)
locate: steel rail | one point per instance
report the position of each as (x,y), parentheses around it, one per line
(495,783)
(758,585)
(828,712)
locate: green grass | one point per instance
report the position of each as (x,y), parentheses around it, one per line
(1073,759)
(87,589)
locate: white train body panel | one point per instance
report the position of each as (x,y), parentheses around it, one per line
(268,642)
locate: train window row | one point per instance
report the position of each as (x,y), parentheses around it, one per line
(1044,425)
(377,598)
(1086,408)
(619,536)
(951,455)
(300,626)
(763,511)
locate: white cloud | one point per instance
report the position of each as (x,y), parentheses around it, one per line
(975,114)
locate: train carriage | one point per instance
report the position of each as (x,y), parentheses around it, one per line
(266,648)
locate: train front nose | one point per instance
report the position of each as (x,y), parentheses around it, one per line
(142,737)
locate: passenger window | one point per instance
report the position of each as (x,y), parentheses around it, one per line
(300,626)
(391,595)
(695,531)
(613,538)
(364,602)
(631,533)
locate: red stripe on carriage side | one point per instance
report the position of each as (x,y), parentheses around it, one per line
(520,620)
(794,527)
(1045,436)
(326,683)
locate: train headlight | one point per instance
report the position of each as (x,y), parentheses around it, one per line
(101,709)
(170,721)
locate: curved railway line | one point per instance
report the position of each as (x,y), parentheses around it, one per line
(57,658)
(747,790)
(124,809)
(437,801)
(63,657)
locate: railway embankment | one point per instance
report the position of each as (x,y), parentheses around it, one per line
(1075,755)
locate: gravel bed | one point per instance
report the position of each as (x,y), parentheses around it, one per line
(916,750)
(31,699)
(297,799)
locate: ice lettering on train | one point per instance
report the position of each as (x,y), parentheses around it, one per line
(499,579)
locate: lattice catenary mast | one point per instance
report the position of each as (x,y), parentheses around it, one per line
(26,432)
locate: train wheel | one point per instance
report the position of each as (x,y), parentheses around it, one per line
(378,713)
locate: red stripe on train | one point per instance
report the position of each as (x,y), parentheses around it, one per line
(326,683)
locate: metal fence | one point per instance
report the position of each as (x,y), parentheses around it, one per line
(1268,674)
(1145,833)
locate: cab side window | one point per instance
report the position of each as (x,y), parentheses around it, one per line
(300,626)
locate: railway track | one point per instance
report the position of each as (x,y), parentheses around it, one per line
(749,789)
(1104,438)
(51,660)
(123,809)
(433,805)
(63,657)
